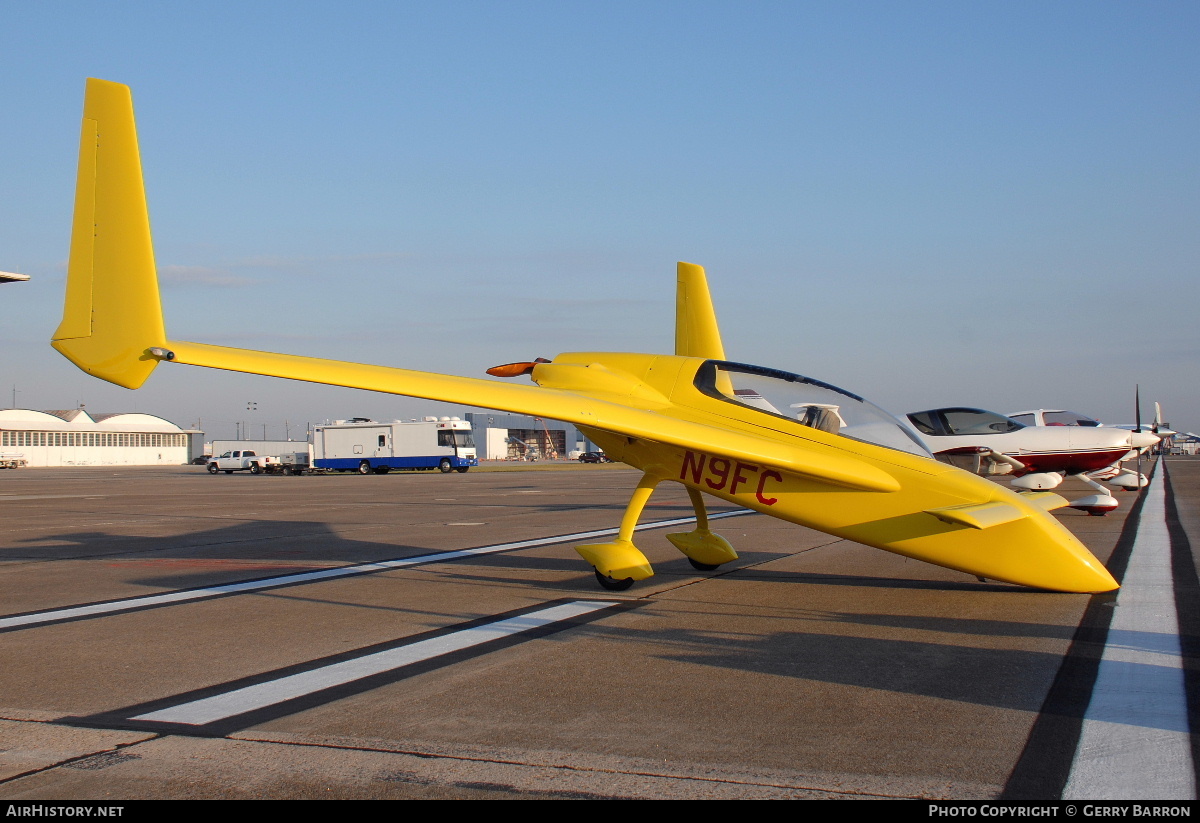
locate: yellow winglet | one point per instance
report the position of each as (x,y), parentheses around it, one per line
(112,314)
(978,515)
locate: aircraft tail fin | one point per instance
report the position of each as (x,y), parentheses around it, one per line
(112,315)
(696,331)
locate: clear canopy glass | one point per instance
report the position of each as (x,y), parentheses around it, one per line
(1067,418)
(959,421)
(806,402)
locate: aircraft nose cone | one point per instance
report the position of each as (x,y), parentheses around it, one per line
(1143,440)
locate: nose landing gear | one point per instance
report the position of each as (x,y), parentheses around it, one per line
(619,563)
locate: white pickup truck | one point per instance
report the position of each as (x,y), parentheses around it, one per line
(242,460)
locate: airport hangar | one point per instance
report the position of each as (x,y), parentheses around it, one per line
(74,437)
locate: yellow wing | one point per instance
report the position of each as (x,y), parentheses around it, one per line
(572,407)
(113,326)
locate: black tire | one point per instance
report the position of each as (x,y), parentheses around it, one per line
(462,469)
(287,471)
(703,567)
(445,466)
(364,467)
(612,584)
(255,468)
(212,468)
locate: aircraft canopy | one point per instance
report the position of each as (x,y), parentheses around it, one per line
(950,421)
(807,402)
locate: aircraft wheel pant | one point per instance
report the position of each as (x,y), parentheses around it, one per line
(619,563)
(703,549)
(1041,481)
(1097,505)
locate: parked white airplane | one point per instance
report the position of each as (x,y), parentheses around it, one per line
(1142,438)
(990,444)
(1145,436)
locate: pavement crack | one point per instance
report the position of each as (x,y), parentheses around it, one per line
(101,759)
(563,767)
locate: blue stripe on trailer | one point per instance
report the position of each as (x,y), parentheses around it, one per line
(430,462)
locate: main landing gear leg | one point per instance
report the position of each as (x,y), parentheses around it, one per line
(704,550)
(1097,505)
(619,563)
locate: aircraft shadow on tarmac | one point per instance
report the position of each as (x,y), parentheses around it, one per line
(1011,679)
(249,549)
(238,552)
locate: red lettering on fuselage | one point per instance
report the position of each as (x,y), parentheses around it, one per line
(762,481)
(722,472)
(716,473)
(695,462)
(738,477)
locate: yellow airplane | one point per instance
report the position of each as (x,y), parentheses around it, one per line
(778,443)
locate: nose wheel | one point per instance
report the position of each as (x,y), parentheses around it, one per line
(612,584)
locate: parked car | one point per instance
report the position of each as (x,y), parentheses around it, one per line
(594,457)
(233,461)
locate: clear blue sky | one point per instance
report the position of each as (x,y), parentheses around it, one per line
(989,204)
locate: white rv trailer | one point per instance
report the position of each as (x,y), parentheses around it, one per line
(366,446)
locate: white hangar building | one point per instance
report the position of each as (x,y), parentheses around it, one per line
(504,436)
(75,438)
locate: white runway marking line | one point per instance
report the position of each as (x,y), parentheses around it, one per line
(240,701)
(185,595)
(1134,743)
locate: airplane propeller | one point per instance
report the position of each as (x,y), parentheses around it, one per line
(1137,424)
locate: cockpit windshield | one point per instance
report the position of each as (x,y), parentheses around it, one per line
(960,421)
(1055,418)
(807,402)
(1068,418)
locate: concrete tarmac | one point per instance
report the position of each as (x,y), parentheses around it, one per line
(810,668)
